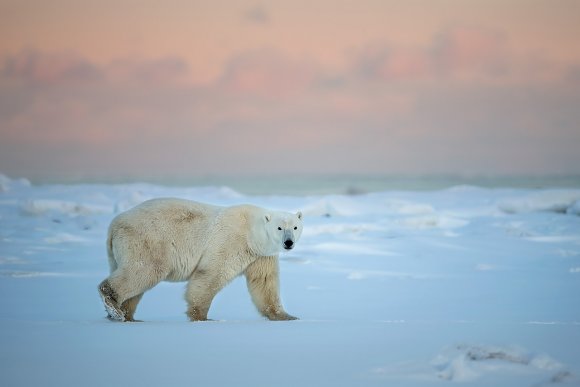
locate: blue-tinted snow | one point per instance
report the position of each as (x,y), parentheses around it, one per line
(463,285)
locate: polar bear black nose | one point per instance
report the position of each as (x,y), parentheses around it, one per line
(288,244)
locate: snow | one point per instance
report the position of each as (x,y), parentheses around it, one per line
(463,285)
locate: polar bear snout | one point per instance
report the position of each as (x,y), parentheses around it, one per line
(288,244)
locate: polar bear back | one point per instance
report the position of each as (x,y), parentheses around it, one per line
(175,234)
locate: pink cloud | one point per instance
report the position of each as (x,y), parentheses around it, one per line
(140,117)
(454,53)
(266,73)
(157,71)
(37,66)
(472,51)
(388,63)
(61,99)
(257,14)
(59,67)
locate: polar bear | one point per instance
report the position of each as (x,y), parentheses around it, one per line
(207,246)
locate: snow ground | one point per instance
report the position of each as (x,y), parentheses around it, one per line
(464,285)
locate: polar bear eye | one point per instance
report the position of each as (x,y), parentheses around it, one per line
(280,228)
(295,227)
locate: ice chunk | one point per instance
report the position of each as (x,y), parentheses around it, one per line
(559,201)
(432,221)
(7,184)
(574,208)
(470,362)
(40,207)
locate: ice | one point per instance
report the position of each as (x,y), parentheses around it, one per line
(462,285)
(341,228)
(434,221)
(11,261)
(485,365)
(574,208)
(33,274)
(42,207)
(334,206)
(7,184)
(350,249)
(484,267)
(64,238)
(466,363)
(559,201)
(366,274)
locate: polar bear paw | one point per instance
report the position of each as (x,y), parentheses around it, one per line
(281,316)
(109,298)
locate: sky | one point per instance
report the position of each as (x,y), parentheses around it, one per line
(132,88)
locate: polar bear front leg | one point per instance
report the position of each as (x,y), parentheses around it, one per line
(263,283)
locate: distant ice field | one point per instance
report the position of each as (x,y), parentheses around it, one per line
(331,184)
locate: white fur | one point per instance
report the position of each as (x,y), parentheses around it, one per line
(206,245)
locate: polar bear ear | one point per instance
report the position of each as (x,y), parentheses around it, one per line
(299,215)
(268,217)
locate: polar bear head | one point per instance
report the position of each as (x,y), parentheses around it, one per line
(283,230)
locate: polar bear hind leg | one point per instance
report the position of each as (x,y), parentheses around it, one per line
(130,306)
(122,291)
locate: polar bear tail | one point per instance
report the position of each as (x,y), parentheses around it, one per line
(112,262)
